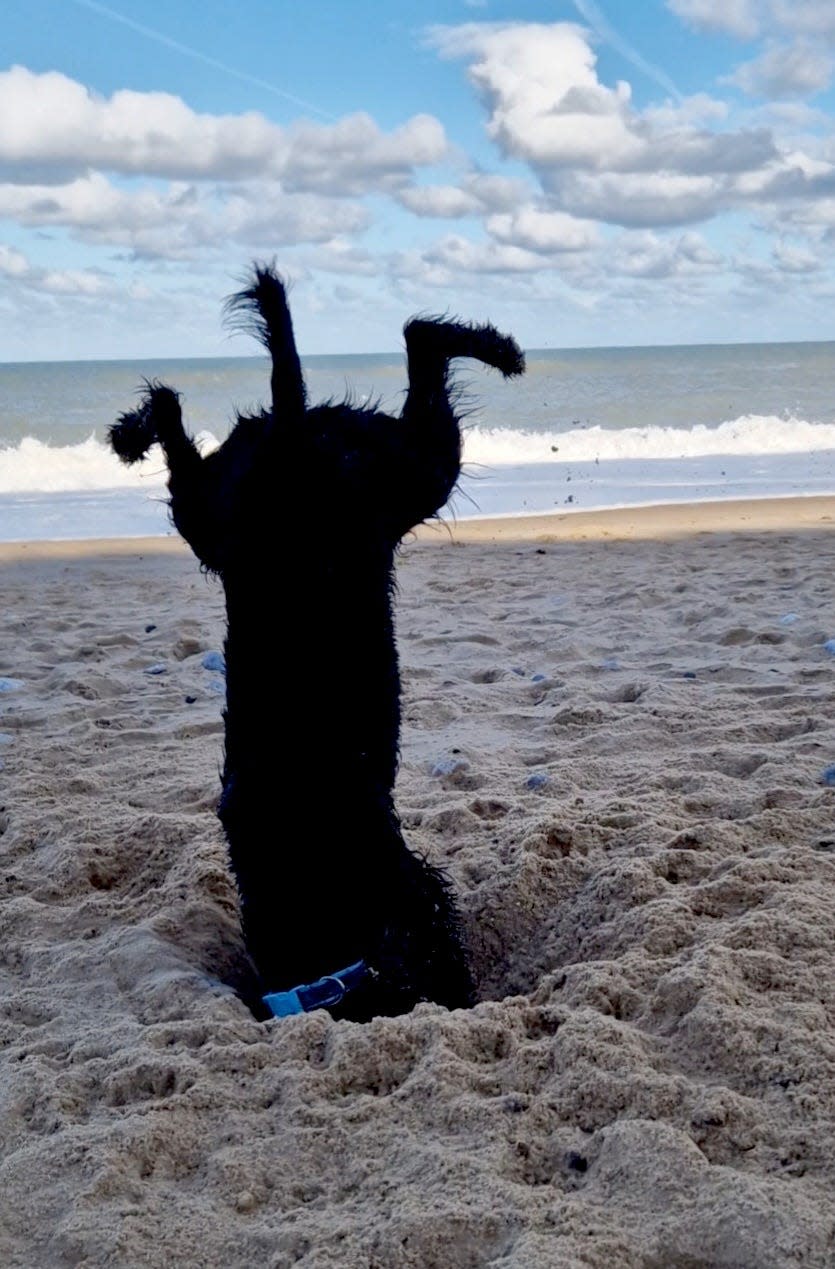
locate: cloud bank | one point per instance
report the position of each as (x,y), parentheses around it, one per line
(590,193)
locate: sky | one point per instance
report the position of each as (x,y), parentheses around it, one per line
(579,172)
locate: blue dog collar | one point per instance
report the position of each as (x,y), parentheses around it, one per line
(322,994)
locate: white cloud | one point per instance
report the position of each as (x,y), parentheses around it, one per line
(596,156)
(478,194)
(646,255)
(546,103)
(51,124)
(354,157)
(809,17)
(54,121)
(543,231)
(794,119)
(261,214)
(735,17)
(497,193)
(795,259)
(445,201)
(813,220)
(785,70)
(342,257)
(461,254)
(633,262)
(182,219)
(72,282)
(645,198)
(14,265)
(747,19)
(687,113)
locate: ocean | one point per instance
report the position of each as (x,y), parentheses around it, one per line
(584,429)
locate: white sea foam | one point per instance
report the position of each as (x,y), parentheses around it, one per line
(751,434)
(35,467)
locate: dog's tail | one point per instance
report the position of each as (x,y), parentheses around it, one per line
(261,310)
(432,343)
(157,418)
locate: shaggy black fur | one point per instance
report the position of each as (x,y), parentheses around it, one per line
(313,691)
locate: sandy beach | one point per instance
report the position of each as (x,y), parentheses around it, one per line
(619,738)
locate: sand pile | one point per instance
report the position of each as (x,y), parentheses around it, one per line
(617,748)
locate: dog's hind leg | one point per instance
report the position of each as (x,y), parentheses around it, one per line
(159,418)
(429,438)
(431,344)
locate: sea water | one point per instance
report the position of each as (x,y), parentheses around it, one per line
(583,429)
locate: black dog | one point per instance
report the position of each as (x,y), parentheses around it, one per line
(329,890)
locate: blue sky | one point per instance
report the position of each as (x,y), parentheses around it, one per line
(581,172)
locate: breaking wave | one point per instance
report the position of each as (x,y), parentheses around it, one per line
(33,466)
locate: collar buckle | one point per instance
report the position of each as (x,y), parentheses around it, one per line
(322,994)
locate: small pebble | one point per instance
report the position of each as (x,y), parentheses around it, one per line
(245,1201)
(159,668)
(538,678)
(448,766)
(537,780)
(148,629)
(187,646)
(517,669)
(829,647)
(190,700)
(688,674)
(788,619)
(610,663)
(10,685)
(214,661)
(828,776)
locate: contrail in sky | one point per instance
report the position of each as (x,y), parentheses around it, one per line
(589,10)
(104,11)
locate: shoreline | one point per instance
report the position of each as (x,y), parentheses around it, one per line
(654,522)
